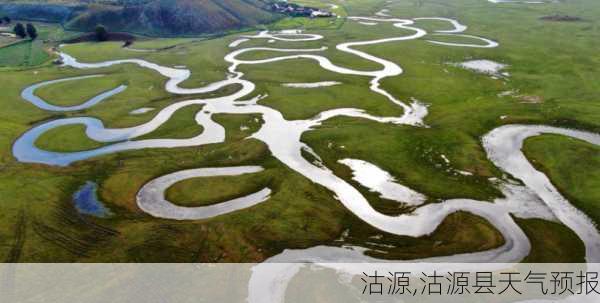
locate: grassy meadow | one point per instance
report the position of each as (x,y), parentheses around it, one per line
(557,62)
(24,53)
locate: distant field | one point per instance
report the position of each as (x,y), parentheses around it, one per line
(24,53)
(314,23)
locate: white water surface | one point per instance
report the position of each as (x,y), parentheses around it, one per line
(238,42)
(458,27)
(312,84)
(487,43)
(151,198)
(382,182)
(29,95)
(141,110)
(483,66)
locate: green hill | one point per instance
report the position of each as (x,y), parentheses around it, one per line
(150,17)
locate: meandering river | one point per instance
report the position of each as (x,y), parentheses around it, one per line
(282,137)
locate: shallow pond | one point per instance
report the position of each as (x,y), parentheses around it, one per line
(86,201)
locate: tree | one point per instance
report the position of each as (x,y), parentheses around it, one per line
(6,19)
(101,33)
(20,30)
(31,31)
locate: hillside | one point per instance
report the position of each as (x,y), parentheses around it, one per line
(150,17)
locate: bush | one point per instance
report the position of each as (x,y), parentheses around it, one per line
(19,30)
(31,31)
(101,33)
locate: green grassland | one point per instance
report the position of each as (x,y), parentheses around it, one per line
(557,61)
(572,165)
(26,53)
(78,91)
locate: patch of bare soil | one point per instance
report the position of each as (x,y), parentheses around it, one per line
(561,18)
(531,99)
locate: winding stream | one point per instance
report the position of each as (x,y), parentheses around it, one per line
(283,140)
(151,197)
(29,95)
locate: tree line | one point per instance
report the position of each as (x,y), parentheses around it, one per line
(20,30)
(24,31)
